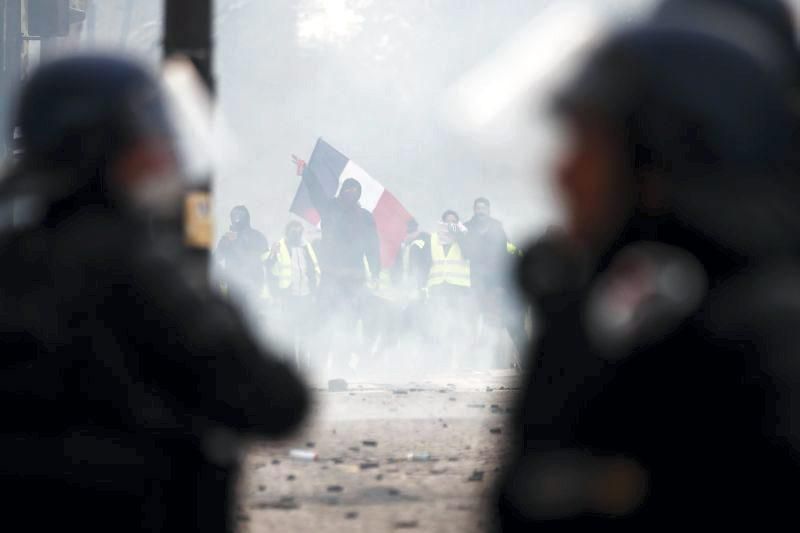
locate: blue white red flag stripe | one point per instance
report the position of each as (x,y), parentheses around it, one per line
(331,168)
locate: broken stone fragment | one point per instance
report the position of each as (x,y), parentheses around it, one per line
(477,475)
(285,503)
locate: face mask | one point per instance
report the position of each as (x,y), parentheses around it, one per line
(350,197)
(238,221)
(294,238)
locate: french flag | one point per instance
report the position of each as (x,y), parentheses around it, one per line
(331,168)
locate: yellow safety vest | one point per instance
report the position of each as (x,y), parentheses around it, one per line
(282,269)
(450,268)
(512,249)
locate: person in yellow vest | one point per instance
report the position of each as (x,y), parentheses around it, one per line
(449,290)
(294,278)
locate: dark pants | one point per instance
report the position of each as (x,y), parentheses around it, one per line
(298,314)
(341,306)
(497,308)
(452,315)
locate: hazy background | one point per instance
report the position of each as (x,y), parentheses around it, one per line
(439,100)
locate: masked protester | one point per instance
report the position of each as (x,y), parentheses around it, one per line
(349,256)
(125,390)
(241,253)
(661,391)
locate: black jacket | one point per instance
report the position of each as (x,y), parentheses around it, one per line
(119,381)
(485,245)
(349,235)
(657,404)
(242,254)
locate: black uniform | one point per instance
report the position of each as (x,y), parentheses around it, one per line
(124,390)
(662,390)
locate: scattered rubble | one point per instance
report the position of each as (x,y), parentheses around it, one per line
(285,503)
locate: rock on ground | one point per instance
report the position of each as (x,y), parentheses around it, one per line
(387,461)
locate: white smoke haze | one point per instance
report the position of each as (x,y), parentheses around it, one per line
(442,101)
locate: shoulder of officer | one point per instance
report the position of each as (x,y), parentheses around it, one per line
(646,293)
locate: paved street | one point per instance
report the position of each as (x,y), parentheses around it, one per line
(364,478)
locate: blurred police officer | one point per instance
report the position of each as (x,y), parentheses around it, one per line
(661,393)
(124,391)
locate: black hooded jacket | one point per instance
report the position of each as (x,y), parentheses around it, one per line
(242,252)
(349,236)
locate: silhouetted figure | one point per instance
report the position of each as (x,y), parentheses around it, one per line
(487,247)
(241,253)
(124,391)
(349,255)
(661,391)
